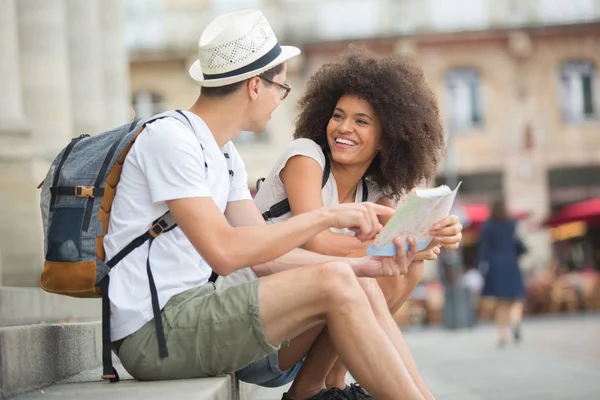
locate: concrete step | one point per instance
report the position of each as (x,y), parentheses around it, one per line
(88,386)
(32,356)
(28,305)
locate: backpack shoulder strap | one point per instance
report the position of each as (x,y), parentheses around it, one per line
(326,170)
(166,222)
(229,165)
(177,114)
(163,224)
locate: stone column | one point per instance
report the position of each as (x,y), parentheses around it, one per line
(11,102)
(45,97)
(13,128)
(116,66)
(16,186)
(45,72)
(86,65)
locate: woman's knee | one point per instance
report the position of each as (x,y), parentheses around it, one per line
(374,291)
(392,287)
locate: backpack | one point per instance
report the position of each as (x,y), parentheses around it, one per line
(76,200)
(282,207)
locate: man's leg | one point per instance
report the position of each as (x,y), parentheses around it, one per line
(288,356)
(388,324)
(393,289)
(322,355)
(294,301)
(396,290)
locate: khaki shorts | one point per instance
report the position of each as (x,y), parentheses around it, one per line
(208,333)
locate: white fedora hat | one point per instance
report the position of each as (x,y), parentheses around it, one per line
(237,46)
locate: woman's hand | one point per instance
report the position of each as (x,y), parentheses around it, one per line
(447,233)
(430,253)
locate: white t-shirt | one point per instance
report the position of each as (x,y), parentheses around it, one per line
(166,162)
(272,191)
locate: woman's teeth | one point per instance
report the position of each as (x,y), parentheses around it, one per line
(345,141)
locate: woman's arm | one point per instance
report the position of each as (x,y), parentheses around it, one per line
(302,178)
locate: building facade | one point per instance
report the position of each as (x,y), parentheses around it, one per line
(517,83)
(63,72)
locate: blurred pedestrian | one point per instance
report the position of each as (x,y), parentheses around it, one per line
(498,255)
(472,280)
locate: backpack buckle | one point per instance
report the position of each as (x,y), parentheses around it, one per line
(84,191)
(158,228)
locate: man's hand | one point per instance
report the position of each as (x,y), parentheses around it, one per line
(361,218)
(447,233)
(375,267)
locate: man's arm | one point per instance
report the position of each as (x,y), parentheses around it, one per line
(244,213)
(228,248)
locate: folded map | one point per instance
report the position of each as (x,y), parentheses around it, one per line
(414,217)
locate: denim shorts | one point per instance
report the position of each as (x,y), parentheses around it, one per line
(266,372)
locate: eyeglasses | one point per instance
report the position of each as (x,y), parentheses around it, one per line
(285,88)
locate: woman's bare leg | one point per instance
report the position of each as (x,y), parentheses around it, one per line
(502,319)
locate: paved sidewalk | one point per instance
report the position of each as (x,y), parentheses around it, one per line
(559,359)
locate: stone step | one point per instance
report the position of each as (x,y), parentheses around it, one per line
(88,386)
(33,358)
(28,305)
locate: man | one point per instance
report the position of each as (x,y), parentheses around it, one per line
(242,72)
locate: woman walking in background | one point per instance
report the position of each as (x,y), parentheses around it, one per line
(498,253)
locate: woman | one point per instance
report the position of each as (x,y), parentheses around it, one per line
(368,130)
(498,254)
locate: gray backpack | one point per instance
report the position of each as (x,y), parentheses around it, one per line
(76,201)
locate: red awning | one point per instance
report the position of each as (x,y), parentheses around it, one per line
(477,214)
(588,211)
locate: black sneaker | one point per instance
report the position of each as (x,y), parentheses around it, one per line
(325,394)
(356,392)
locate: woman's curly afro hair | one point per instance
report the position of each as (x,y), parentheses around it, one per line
(412,137)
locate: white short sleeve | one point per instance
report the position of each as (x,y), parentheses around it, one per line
(239,183)
(299,147)
(272,190)
(172,160)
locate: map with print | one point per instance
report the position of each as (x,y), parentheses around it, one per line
(414,218)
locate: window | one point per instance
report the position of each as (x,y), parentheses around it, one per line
(144,24)
(147,104)
(577,83)
(556,11)
(464,100)
(444,15)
